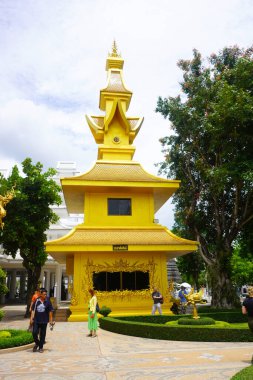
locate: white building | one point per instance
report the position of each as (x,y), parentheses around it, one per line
(53,275)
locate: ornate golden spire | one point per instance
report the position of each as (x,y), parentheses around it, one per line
(114,52)
(114,60)
(115,131)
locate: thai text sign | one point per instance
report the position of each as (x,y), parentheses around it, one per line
(120,247)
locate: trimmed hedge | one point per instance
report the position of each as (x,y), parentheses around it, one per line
(217,325)
(211,309)
(18,338)
(225,316)
(5,334)
(105,311)
(199,322)
(179,333)
(157,319)
(244,374)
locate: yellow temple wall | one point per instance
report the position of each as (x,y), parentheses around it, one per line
(96,212)
(123,302)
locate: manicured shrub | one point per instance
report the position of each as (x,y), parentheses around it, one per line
(226,316)
(180,333)
(17,338)
(210,309)
(5,334)
(200,321)
(218,324)
(158,319)
(1,314)
(105,311)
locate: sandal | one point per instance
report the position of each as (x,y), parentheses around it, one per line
(94,336)
(89,335)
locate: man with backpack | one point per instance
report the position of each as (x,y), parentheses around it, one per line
(42,313)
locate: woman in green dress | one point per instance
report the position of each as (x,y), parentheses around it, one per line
(92,315)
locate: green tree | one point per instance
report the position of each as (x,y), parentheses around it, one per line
(242,257)
(3,287)
(210,151)
(242,267)
(28,217)
(191,268)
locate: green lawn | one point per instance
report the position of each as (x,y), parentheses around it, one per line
(218,324)
(239,325)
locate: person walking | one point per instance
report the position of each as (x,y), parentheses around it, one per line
(158,300)
(34,297)
(92,315)
(42,313)
(247,308)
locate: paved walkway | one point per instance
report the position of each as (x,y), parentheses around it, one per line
(71,355)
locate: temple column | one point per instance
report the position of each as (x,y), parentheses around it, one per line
(70,281)
(47,280)
(58,276)
(52,283)
(13,284)
(41,279)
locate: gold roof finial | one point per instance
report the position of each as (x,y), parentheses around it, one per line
(114,52)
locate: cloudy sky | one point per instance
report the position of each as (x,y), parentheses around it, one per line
(52,68)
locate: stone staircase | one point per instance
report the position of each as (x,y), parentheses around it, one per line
(61,314)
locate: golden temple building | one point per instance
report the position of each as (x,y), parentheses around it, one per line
(118,250)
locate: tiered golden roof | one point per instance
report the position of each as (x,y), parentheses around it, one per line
(113,174)
(158,238)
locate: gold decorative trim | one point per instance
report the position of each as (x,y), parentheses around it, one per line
(74,299)
(120,266)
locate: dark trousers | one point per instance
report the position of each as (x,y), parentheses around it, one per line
(250,323)
(39,334)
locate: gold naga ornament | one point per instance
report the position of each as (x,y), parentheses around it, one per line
(4,199)
(193,299)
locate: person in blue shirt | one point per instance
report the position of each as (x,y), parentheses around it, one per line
(183,300)
(42,313)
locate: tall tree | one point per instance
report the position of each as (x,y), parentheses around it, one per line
(28,217)
(210,151)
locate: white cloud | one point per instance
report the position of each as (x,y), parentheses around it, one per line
(52,67)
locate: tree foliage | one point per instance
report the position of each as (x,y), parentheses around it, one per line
(242,267)
(192,269)
(242,257)
(29,216)
(3,287)
(210,151)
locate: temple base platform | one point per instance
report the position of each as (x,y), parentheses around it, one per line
(81,316)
